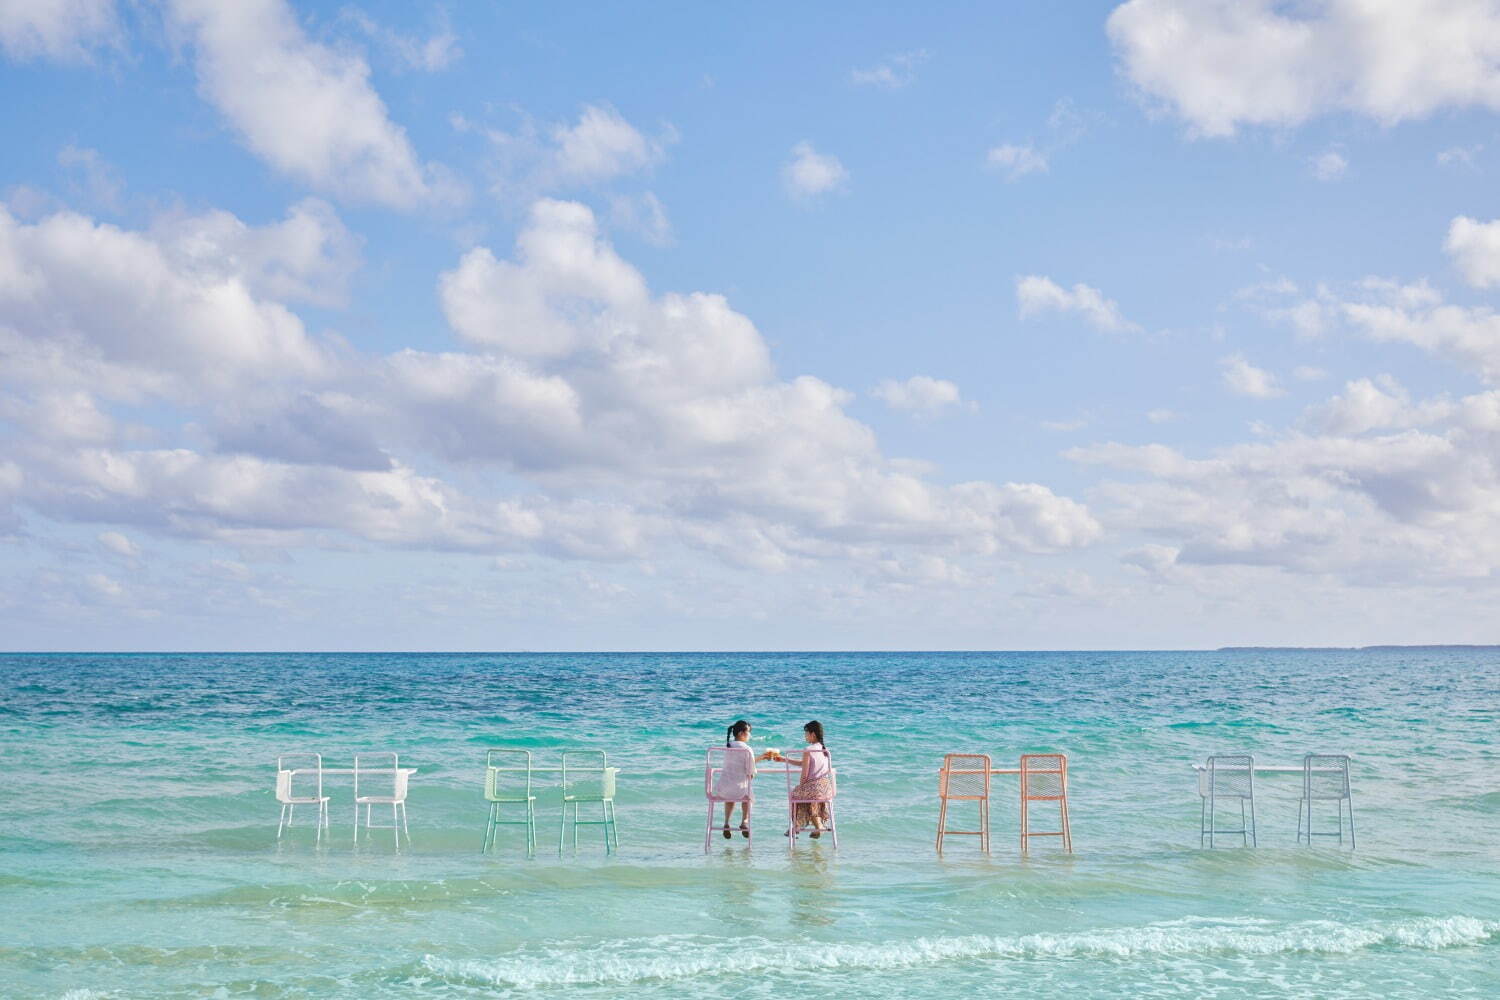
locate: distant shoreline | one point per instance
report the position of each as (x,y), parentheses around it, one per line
(1349,649)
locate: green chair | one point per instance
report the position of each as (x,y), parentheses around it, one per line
(504,774)
(587,777)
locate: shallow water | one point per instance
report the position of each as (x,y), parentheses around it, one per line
(138,855)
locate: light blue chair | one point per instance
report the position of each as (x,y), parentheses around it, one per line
(507,781)
(587,778)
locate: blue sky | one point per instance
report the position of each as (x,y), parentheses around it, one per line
(500,326)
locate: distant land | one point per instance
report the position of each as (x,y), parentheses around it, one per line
(1346,649)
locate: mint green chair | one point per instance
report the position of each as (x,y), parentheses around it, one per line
(507,781)
(587,777)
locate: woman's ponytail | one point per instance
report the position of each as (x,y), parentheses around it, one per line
(739,726)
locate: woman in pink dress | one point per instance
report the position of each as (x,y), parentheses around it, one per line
(815,783)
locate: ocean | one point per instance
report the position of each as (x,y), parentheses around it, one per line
(138,850)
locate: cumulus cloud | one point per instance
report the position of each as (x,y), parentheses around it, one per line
(1474,248)
(117,543)
(623,420)
(893,73)
(920,394)
(810,173)
(308,110)
(599,147)
(1037,294)
(1379,489)
(1244,379)
(1329,166)
(87,305)
(1016,161)
(436,52)
(63,30)
(1460,156)
(1223,64)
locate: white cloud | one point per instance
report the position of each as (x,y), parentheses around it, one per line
(432,54)
(1222,64)
(63,30)
(1460,156)
(307,257)
(1243,378)
(599,147)
(893,73)
(643,214)
(101,182)
(620,422)
(1161,416)
(306,109)
(1367,496)
(1474,247)
(1016,161)
(1329,166)
(119,544)
(920,394)
(1037,294)
(809,173)
(86,305)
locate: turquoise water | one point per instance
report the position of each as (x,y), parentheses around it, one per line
(138,855)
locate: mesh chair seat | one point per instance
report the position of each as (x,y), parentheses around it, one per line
(1044,778)
(1227,776)
(965,777)
(507,781)
(1325,778)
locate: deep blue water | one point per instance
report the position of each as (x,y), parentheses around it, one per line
(138,855)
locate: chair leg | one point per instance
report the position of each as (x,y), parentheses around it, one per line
(405,831)
(1067,831)
(1351,823)
(563,829)
(614,823)
(984,823)
(318,823)
(708,826)
(1213,808)
(942,822)
(531,827)
(1025,820)
(1244,827)
(1253,841)
(281,821)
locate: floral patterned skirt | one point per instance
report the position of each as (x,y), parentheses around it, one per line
(812,813)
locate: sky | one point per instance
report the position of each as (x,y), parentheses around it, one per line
(502,326)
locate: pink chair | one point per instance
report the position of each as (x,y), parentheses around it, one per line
(793,779)
(711,772)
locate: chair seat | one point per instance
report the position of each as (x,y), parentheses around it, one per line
(314,800)
(379,800)
(517,799)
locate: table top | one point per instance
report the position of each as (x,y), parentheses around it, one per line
(350,770)
(1281,769)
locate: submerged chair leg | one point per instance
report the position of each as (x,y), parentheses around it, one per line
(942,822)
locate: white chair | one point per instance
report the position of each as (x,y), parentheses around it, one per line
(1325,778)
(711,770)
(383,770)
(1227,776)
(289,767)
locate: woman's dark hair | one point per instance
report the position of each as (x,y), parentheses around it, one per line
(741,726)
(816,728)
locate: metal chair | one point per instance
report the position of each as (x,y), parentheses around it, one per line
(1325,778)
(965,777)
(1227,776)
(507,781)
(1044,778)
(593,781)
(745,759)
(287,770)
(378,767)
(793,801)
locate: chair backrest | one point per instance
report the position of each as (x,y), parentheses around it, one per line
(1044,776)
(793,779)
(964,776)
(381,769)
(591,774)
(1231,774)
(1325,775)
(740,758)
(507,774)
(287,781)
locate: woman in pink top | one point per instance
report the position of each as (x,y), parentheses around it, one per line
(815,783)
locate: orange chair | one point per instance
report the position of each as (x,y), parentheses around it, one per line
(965,777)
(1044,778)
